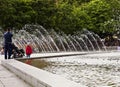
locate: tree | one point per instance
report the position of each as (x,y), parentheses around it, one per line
(99,16)
(45,10)
(102,15)
(6,11)
(15,13)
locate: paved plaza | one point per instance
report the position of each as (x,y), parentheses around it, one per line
(9,79)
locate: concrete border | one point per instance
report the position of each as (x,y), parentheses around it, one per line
(52,55)
(37,77)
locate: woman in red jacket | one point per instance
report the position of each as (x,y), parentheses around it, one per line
(28,50)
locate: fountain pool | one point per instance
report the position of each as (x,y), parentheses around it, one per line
(92,70)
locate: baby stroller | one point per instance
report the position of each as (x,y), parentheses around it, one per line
(17,53)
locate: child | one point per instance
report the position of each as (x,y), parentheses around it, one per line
(28,50)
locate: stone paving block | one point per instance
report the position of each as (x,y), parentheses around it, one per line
(1,85)
(5,74)
(13,82)
(9,79)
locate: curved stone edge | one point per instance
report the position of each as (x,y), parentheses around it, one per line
(37,77)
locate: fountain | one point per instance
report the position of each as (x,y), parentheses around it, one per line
(44,41)
(92,70)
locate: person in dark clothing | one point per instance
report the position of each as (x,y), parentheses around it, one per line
(8,43)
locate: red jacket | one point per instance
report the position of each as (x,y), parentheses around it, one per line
(28,50)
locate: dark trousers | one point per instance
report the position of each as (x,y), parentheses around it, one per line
(8,51)
(28,55)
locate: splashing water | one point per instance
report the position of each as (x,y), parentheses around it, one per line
(44,41)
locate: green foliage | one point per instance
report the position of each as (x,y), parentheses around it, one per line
(100,16)
(63,17)
(98,11)
(15,13)
(45,10)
